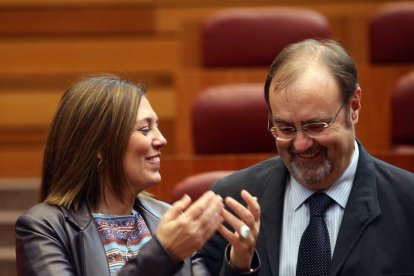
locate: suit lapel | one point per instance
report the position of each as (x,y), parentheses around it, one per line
(362,208)
(272,213)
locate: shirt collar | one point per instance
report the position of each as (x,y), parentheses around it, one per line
(339,191)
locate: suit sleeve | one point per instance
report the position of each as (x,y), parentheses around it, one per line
(216,252)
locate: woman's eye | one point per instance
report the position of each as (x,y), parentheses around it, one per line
(144,130)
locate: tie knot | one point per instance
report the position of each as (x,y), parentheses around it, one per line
(319,203)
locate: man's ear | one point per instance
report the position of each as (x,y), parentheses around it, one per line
(355,104)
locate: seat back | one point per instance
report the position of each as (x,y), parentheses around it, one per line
(196,185)
(231,119)
(246,38)
(403,112)
(391,33)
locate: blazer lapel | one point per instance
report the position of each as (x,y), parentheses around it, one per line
(362,208)
(152,219)
(271,202)
(91,256)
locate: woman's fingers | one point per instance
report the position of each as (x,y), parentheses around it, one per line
(186,228)
(178,207)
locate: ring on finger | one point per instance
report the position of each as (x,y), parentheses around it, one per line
(244,231)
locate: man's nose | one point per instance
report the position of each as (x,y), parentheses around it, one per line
(302,141)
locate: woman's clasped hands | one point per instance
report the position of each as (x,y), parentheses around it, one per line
(186,227)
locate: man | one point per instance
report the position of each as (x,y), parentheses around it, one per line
(367,225)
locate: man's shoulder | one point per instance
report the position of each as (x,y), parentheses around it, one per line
(394,186)
(387,170)
(253,178)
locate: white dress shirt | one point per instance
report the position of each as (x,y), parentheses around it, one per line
(296,215)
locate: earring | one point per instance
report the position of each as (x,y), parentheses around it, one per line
(99,166)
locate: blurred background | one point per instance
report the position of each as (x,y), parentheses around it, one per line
(45,45)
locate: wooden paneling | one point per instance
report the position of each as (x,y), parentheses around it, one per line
(27,109)
(377,83)
(76,20)
(31,108)
(20,160)
(89,54)
(47,44)
(65,3)
(244,3)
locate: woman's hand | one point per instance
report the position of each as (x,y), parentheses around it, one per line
(186,227)
(242,248)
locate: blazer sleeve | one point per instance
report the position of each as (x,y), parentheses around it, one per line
(154,260)
(39,248)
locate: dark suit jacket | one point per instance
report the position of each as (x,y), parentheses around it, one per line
(376,236)
(52,240)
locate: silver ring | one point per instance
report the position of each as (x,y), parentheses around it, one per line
(244,231)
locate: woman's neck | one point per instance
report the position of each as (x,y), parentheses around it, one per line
(117,208)
(113,205)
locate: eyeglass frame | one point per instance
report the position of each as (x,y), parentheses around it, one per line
(304,128)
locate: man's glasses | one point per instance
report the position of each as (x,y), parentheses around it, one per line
(313,130)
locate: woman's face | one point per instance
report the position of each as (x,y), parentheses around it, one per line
(142,157)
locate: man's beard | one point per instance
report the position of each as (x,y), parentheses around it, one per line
(311,173)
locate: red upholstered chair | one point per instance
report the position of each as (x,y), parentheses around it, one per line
(231,119)
(197,184)
(403,114)
(253,37)
(391,33)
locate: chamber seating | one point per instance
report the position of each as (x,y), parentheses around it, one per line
(253,37)
(196,184)
(403,114)
(391,34)
(236,47)
(231,119)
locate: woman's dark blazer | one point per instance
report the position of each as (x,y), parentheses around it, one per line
(52,240)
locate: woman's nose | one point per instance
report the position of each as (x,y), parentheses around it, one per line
(159,140)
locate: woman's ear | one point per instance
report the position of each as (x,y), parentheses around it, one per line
(100,158)
(100,155)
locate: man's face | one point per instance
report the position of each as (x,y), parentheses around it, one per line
(314,97)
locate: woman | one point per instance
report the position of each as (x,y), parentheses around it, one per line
(95,218)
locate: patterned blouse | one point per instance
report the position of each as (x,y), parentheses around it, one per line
(122,237)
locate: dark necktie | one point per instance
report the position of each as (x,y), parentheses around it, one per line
(314,256)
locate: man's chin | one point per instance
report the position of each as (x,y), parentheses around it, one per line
(311,174)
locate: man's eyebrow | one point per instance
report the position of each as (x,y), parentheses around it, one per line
(280,121)
(306,122)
